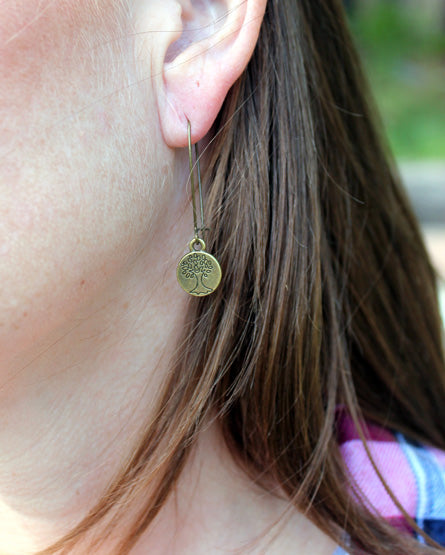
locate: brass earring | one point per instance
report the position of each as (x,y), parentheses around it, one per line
(198,272)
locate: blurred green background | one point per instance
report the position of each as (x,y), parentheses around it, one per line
(402,43)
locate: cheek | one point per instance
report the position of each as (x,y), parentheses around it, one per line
(21,21)
(71,210)
(49,262)
(62,245)
(31,30)
(36,48)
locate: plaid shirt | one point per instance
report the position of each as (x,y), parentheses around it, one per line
(415,474)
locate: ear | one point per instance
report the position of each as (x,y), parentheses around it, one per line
(209,49)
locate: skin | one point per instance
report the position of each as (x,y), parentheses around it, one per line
(94,215)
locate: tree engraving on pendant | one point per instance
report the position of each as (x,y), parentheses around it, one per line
(199,273)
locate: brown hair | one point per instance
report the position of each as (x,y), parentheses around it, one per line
(328,296)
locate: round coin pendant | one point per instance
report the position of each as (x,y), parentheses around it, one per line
(198,272)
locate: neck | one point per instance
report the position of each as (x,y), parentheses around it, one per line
(216,508)
(66,403)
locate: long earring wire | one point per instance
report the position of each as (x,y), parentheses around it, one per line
(192,184)
(198,272)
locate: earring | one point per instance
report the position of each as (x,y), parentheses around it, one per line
(198,272)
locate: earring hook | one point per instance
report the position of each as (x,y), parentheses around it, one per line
(192,183)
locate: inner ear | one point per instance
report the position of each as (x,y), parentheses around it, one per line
(200,20)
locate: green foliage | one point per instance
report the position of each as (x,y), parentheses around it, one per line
(403,48)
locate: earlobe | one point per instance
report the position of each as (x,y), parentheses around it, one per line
(216,43)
